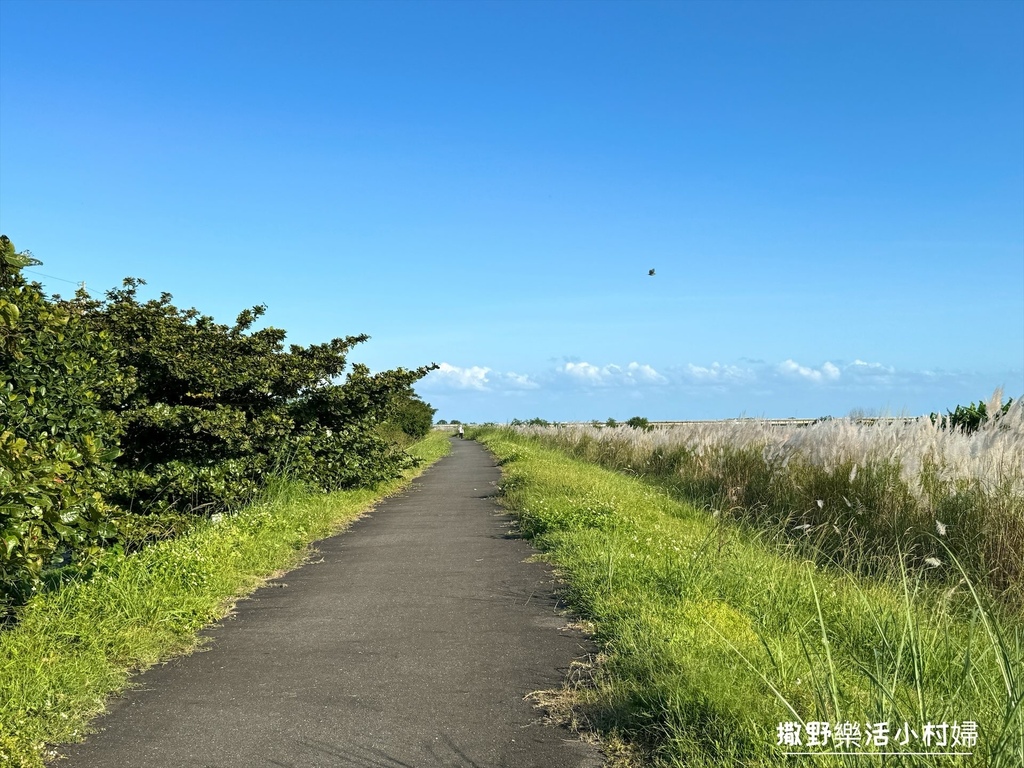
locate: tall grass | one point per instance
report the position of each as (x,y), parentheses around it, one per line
(712,639)
(864,496)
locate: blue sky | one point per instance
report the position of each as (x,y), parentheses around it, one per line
(832,194)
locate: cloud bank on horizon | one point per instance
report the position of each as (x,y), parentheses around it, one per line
(580,390)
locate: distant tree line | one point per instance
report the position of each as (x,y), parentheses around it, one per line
(636,422)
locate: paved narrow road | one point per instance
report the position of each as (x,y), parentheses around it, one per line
(410,644)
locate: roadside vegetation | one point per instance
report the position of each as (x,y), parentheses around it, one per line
(75,645)
(155,465)
(721,648)
(869,497)
(124,422)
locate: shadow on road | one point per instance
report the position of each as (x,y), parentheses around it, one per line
(441,752)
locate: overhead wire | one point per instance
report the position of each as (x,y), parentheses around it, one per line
(52,277)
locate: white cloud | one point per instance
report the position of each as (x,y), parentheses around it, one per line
(827,372)
(583,372)
(759,380)
(568,388)
(453,377)
(717,372)
(643,373)
(859,367)
(610,375)
(518,381)
(448,377)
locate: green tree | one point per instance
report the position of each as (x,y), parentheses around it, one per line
(208,410)
(204,412)
(56,442)
(411,415)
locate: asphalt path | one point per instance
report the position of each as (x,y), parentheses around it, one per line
(410,640)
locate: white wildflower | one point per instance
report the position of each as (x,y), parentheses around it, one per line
(934,562)
(940,527)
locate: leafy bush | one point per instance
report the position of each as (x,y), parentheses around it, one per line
(56,443)
(970,417)
(536,421)
(412,416)
(339,424)
(208,410)
(119,418)
(639,422)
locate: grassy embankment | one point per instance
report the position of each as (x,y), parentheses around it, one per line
(712,637)
(866,497)
(75,646)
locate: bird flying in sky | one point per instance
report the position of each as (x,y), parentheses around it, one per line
(650,273)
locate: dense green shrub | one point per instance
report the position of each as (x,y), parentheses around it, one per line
(120,418)
(341,423)
(56,443)
(969,418)
(207,410)
(412,416)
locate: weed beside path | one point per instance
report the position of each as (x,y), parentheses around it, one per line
(79,644)
(720,651)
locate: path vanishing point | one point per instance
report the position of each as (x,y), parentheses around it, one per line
(409,641)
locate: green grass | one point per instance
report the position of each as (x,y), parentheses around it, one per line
(73,647)
(866,497)
(711,637)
